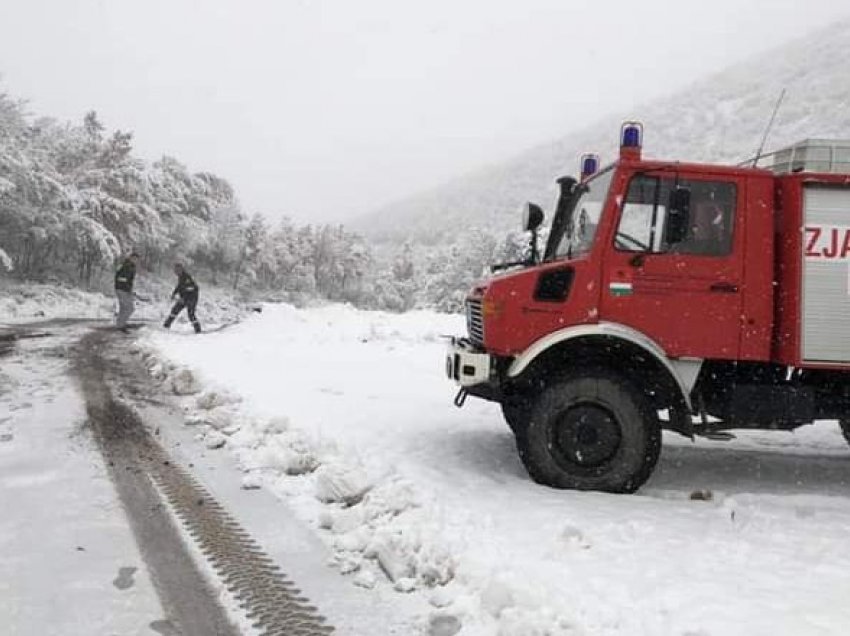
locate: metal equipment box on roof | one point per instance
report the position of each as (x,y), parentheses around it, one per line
(813,155)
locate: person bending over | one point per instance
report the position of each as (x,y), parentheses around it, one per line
(186,294)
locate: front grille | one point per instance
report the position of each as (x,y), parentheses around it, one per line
(475,321)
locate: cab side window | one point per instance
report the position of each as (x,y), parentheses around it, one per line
(642,220)
(712,217)
(710,220)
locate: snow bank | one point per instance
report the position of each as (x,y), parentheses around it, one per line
(346,415)
(383,527)
(34,301)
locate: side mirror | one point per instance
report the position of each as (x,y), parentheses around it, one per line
(678,216)
(532,217)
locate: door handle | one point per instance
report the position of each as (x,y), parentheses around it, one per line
(724,288)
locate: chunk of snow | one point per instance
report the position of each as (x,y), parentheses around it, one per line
(394,496)
(340,483)
(435,564)
(218,419)
(350,563)
(215,440)
(347,520)
(441,597)
(393,556)
(405,585)
(288,454)
(194,419)
(213,399)
(365,578)
(351,542)
(184,382)
(252,481)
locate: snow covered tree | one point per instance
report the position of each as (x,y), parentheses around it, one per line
(451,270)
(74,198)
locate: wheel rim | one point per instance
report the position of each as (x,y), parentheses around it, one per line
(586,435)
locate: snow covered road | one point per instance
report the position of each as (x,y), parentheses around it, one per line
(69,564)
(444,508)
(105,529)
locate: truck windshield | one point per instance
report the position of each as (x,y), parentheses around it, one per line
(574,235)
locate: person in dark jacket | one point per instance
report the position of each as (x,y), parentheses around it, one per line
(124,278)
(186,294)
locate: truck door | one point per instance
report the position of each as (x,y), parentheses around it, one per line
(684,293)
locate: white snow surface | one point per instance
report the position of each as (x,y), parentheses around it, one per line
(26,302)
(29,302)
(347,416)
(69,563)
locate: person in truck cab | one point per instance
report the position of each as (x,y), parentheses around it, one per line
(709,233)
(186,294)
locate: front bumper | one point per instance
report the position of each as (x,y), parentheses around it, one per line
(466,364)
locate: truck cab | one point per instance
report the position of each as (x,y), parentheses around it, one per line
(669,295)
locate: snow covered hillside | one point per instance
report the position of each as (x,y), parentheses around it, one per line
(346,415)
(720,118)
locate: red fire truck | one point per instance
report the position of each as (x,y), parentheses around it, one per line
(691,297)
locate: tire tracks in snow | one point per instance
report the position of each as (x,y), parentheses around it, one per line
(144,474)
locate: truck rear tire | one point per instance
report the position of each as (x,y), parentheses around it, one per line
(593,431)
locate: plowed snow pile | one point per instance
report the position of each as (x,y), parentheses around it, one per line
(347,415)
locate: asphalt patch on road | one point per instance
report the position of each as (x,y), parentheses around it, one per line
(154,490)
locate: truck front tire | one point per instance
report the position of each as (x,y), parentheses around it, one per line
(516,410)
(845,429)
(591,431)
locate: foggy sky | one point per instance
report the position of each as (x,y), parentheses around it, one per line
(325,109)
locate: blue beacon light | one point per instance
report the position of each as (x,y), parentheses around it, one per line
(631,135)
(589,165)
(631,139)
